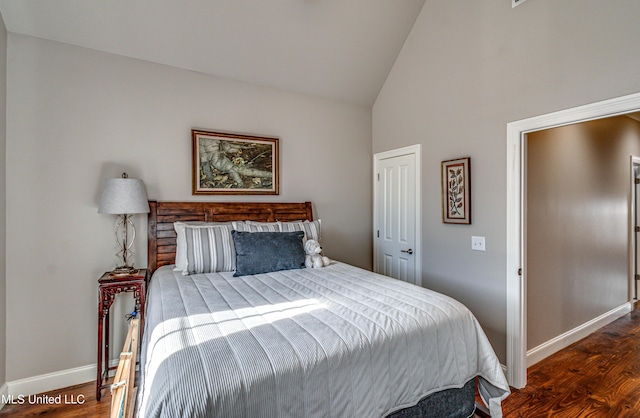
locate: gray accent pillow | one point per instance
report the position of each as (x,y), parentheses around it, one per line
(264,252)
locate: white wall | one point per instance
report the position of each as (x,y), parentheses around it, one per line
(466,70)
(77,116)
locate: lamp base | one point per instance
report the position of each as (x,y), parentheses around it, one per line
(124,271)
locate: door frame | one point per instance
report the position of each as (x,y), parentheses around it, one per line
(416,151)
(515,257)
(633,223)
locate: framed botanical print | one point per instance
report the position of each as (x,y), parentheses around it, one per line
(226,163)
(456,191)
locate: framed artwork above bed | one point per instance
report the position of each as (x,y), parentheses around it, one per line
(226,163)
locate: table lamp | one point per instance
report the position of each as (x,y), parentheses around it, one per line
(124,197)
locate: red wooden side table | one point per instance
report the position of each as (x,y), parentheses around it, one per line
(109,286)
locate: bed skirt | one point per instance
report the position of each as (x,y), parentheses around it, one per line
(448,403)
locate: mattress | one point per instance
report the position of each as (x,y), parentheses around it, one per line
(332,342)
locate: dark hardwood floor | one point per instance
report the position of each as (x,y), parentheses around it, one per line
(599,376)
(85,404)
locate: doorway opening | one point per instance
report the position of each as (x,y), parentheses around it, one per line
(516,273)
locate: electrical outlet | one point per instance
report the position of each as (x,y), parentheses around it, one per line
(477,243)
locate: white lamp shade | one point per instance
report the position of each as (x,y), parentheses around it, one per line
(123,196)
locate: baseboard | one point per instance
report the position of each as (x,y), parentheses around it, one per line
(52,381)
(4,395)
(564,340)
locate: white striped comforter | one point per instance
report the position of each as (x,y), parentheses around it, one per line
(332,342)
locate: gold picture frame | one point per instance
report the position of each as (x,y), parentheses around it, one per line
(228,163)
(456,191)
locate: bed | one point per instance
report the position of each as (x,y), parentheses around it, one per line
(338,341)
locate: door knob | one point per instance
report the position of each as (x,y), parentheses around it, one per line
(409,251)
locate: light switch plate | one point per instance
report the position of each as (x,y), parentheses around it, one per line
(477,243)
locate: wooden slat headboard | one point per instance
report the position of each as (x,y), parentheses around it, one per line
(162,236)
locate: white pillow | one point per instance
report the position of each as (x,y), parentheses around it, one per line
(209,249)
(311,229)
(181,241)
(252,226)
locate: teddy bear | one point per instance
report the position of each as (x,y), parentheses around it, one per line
(313,258)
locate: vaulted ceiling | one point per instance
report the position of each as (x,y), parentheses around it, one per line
(339,49)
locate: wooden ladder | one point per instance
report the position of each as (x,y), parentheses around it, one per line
(123,390)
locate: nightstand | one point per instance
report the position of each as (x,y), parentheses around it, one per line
(109,286)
